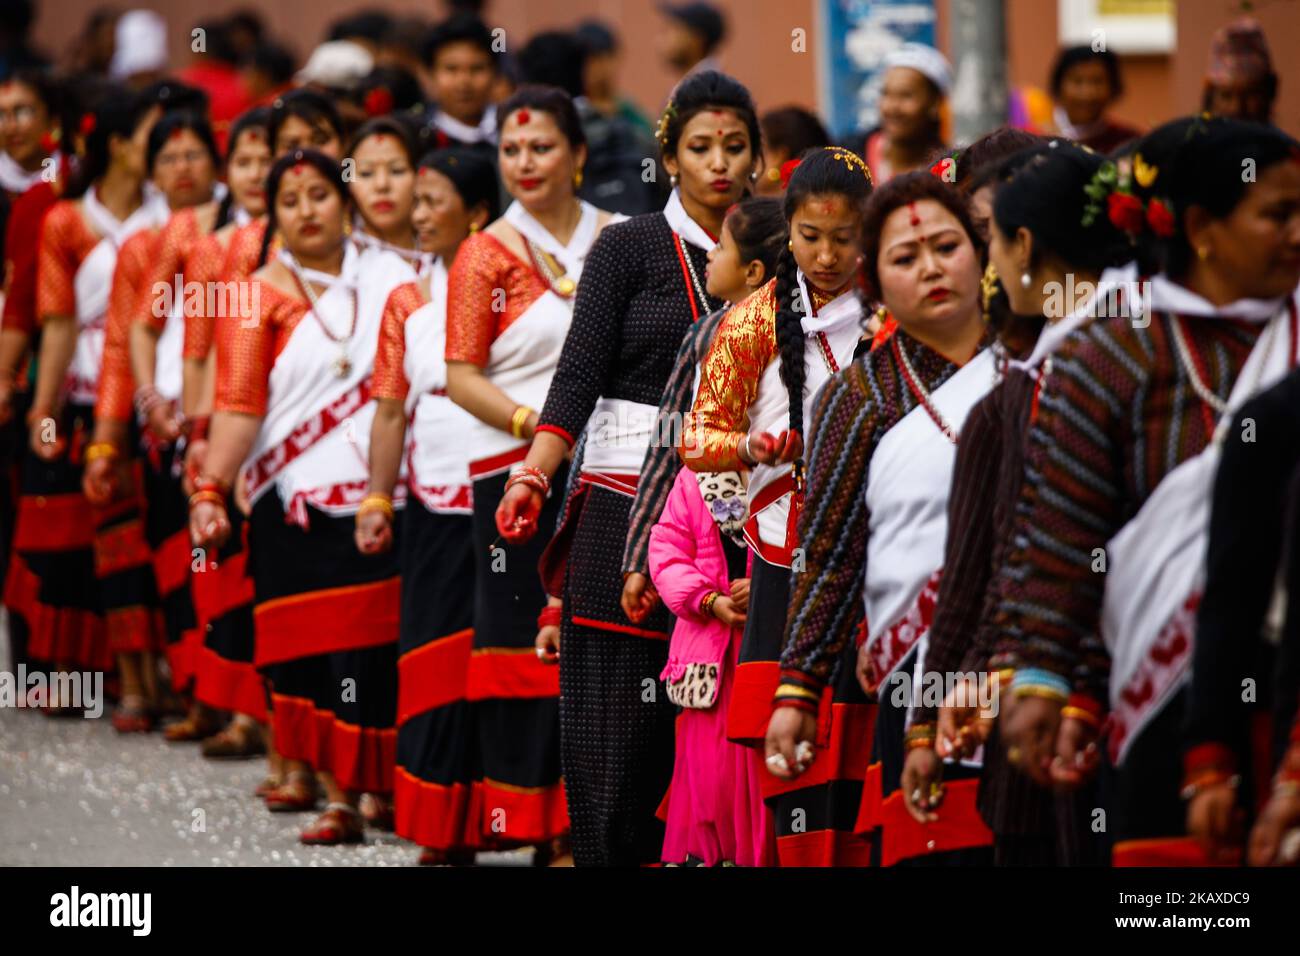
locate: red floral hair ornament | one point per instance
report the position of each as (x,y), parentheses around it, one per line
(787,170)
(50,140)
(378,102)
(1160,218)
(87,125)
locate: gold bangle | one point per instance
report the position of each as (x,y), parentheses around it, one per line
(519,419)
(100,449)
(376,502)
(207,494)
(1040,690)
(794,690)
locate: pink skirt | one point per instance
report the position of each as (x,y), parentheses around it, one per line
(715,810)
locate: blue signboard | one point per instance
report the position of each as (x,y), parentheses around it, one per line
(855,36)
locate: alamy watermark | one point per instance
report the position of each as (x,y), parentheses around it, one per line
(214,299)
(78,690)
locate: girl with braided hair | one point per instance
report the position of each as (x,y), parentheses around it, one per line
(770,355)
(882,445)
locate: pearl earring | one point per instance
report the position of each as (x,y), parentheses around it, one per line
(673,179)
(1025,280)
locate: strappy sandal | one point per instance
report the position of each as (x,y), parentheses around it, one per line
(269,783)
(132,717)
(296,794)
(431,857)
(234,744)
(339,824)
(189,730)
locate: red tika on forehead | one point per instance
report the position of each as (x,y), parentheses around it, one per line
(299,168)
(522,117)
(911,209)
(176,133)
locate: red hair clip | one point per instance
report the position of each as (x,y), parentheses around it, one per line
(378,102)
(87,125)
(787,170)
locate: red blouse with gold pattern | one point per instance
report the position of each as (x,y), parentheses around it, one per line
(245,246)
(488,288)
(174,241)
(389,377)
(131,291)
(743,348)
(246,352)
(66,240)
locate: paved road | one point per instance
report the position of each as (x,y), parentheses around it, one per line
(75,792)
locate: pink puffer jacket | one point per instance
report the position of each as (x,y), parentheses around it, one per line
(686,563)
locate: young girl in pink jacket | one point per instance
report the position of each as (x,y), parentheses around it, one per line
(699,564)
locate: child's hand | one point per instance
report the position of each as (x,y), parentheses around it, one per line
(725,610)
(740,593)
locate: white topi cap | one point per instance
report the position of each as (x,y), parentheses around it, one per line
(338,64)
(139,44)
(926,60)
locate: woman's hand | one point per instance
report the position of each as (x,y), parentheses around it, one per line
(1078,754)
(374,532)
(163,423)
(44,436)
(767,449)
(1270,844)
(209,526)
(639,597)
(724,609)
(1217,821)
(1029,728)
(790,735)
(101,481)
(740,594)
(865,671)
(517,515)
(920,785)
(547,644)
(962,725)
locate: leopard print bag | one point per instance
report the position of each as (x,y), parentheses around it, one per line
(697,689)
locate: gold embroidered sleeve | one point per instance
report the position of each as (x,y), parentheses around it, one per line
(203,264)
(246,350)
(744,346)
(116,381)
(167,267)
(61,252)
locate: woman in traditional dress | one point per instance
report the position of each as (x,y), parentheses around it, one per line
(182,161)
(1036,232)
(509,306)
(382,154)
(883,438)
(1119,467)
(55,533)
(224,676)
(291,407)
(714,809)
(455,196)
(648,274)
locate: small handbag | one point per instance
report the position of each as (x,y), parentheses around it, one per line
(697,689)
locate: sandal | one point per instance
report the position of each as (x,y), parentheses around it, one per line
(233,744)
(339,824)
(295,795)
(188,730)
(132,717)
(269,783)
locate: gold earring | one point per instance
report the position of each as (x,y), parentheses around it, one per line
(577,178)
(473,227)
(1203,252)
(790,245)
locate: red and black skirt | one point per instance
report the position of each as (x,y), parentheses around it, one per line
(618,724)
(168,534)
(326,624)
(517,797)
(51,580)
(224,675)
(437,741)
(758,672)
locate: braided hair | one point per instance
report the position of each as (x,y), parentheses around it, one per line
(830,171)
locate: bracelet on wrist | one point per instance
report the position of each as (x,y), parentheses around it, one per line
(550,617)
(209,495)
(147,398)
(1205,781)
(519,419)
(707,602)
(199,427)
(208,483)
(376,501)
(100,449)
(531,476)
(920,736)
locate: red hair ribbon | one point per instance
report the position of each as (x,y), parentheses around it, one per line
(787,170)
